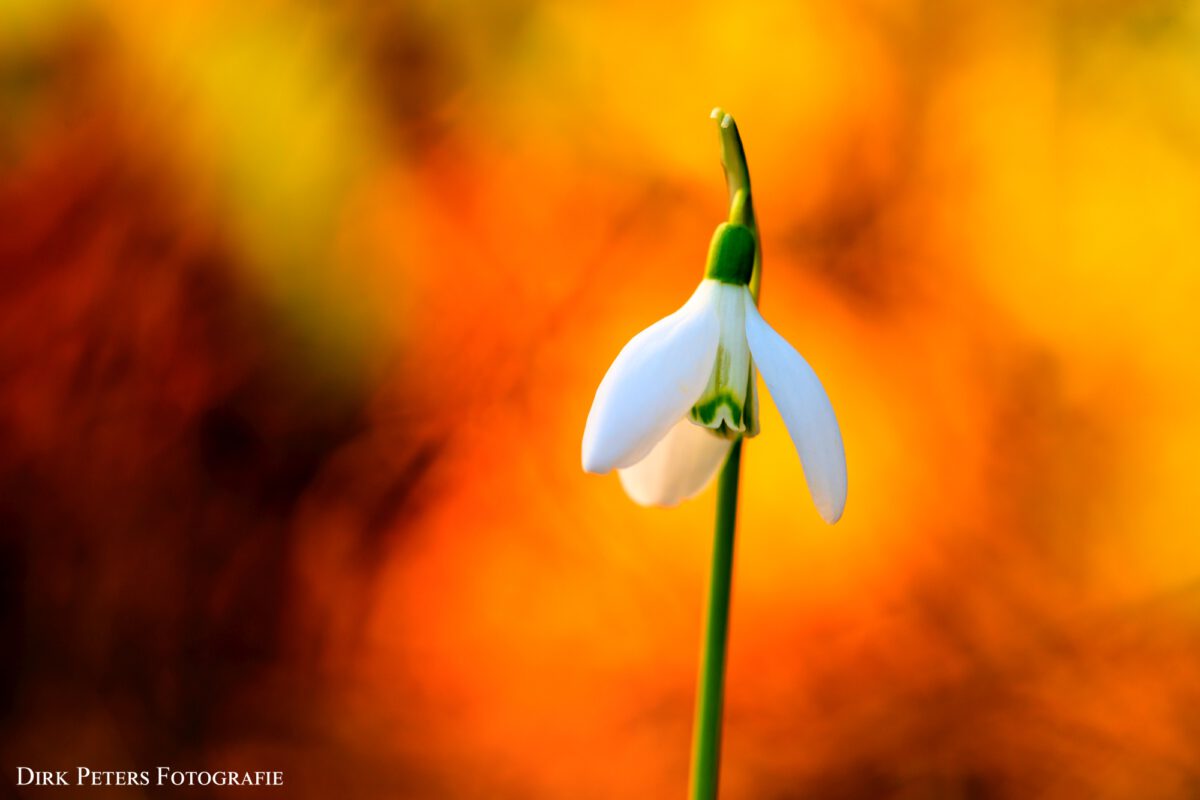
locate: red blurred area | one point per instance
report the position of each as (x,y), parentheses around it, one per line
(303,309)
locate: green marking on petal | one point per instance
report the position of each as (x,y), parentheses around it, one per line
(720,415)
(722,406)
(750,414)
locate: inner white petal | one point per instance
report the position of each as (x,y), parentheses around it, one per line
(678,467)
(722,406)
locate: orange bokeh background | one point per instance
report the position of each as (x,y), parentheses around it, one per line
(304,306)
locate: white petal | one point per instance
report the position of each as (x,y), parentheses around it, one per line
(722,404)
(653,382)
(806,412)
(678,467)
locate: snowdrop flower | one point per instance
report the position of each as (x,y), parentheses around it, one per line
(683,390)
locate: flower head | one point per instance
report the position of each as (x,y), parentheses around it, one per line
(681,391)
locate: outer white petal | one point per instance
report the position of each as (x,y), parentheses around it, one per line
(806,412)
(652,383)
(679,466)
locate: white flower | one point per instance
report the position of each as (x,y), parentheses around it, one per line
(681,391)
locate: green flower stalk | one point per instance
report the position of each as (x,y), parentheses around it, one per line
(680,399)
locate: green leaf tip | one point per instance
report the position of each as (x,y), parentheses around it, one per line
(741,202)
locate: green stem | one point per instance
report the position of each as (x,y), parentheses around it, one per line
(737,179)
(710,696)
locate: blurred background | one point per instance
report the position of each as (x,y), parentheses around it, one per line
(303,306)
